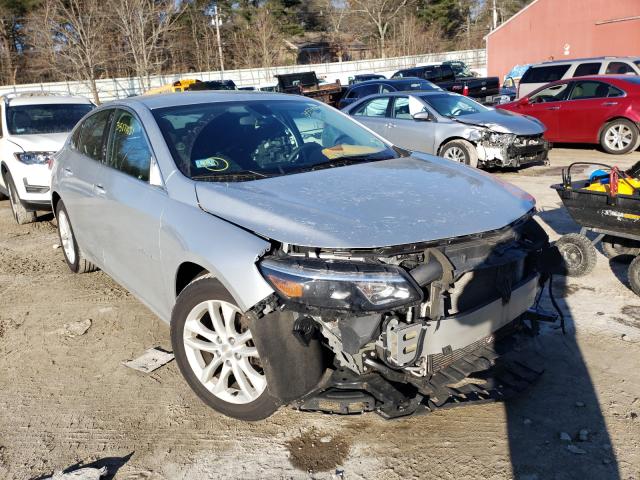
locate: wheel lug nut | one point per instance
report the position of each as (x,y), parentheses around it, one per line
(228,363)
(232,340)
(238,356)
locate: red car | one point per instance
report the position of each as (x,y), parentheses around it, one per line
(602,109)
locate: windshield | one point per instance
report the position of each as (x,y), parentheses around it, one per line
(232,141)
(50,118)
(451,105)
(460,69)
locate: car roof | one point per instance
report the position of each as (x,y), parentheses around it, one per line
(207,96)
(585,59)
(33,99)
(390,80)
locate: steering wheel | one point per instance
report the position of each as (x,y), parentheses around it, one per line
(305,148)
(456,111)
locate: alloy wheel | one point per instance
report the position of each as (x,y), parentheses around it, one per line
(456,154)
(618,137)
(220,351)
(66,237)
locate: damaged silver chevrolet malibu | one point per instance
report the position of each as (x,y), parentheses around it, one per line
(298,257)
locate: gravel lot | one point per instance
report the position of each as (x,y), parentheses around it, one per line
(66,399)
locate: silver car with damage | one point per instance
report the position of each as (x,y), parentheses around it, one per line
(298,257)
(455,127)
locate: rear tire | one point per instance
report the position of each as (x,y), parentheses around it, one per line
(634,276)
(620,136)
(72,254)
(614,247)
(20,214)
(578,253)
(214,349)
(460,151)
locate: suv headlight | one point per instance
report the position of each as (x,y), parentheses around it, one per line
(340,285)
(499,138)
(35,158)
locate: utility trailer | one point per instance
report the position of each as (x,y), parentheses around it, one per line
(308,85)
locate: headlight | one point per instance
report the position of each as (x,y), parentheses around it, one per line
(35,158)
(499,138)
(340,285)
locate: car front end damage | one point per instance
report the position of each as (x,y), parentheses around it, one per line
(406,329)
(511,150)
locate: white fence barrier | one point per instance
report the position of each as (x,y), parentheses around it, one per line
(112,88)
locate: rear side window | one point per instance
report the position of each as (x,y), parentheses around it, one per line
(590,89)
(447,73)
(376,107)
(129,151)
(546,74)
(587,69)
(619,68)
(91,140)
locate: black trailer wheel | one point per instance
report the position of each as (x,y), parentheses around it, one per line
(614,247)
(578,253)
(634,276)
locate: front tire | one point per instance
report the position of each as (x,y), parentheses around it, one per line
(20,214)
(214,349)
(72,254)
(460,151)
(634,276)
(620,136)
(578,253)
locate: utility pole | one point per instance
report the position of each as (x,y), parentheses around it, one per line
(216,19)
(495,15)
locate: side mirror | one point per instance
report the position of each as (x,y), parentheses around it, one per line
(423,117)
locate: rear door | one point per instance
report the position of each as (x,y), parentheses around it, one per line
(589,105)
(545,105)
(404,131)
(373,113)
(79,175)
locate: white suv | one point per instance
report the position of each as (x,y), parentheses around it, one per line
(33,126)
(539,75)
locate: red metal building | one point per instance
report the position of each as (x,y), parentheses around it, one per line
(564,29)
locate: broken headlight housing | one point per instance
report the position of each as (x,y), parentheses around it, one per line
(499,138)
(340,285)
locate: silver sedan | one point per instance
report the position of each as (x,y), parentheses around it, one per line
(292,251)
(453,126)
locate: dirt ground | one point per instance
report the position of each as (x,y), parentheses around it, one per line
(67,399)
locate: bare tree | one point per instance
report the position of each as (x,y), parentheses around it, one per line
(144,25)
(71,33)
(379,14)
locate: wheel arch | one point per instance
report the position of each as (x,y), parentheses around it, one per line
(55,199)
(186,273)
(451,139)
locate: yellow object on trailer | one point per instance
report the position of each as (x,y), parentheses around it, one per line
(178,86)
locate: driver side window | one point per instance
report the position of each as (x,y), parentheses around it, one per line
(129,151)
(554,93)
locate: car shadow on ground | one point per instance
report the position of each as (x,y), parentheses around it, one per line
(558,430)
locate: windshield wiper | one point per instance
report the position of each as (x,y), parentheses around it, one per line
(230,175)
(347,160)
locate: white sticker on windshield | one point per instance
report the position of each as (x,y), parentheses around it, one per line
(215,164)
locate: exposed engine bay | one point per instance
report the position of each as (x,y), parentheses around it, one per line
(511,150)
(430,317)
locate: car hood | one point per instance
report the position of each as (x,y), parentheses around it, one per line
(378,204)
(50,142)
(503,121)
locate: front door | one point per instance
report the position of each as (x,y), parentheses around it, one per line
(134,212)
(404,131)
(545,105)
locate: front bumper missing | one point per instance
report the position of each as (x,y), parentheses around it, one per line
(492,371)
(521,151)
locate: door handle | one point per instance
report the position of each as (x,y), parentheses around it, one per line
(391,125)
(609,104)
(99,188)
(67,171)
(553,108)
